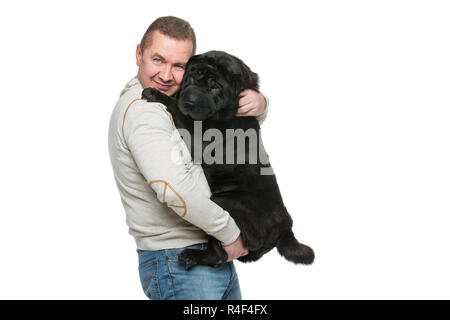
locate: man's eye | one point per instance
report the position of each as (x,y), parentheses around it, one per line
(157,60)
(179,67)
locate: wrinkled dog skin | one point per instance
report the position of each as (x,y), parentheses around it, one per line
(210,92)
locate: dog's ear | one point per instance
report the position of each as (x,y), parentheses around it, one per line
(233,68)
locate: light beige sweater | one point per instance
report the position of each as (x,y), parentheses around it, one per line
(165,195)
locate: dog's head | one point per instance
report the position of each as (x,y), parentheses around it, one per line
(211,86)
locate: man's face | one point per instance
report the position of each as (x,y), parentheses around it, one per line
(162,64)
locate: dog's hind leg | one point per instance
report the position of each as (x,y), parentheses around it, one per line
(213,255)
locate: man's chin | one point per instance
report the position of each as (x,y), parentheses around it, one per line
(167,90)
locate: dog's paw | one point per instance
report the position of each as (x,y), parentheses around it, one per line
(152,95)
(187,259)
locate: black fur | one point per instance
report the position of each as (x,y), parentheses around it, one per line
(210,92)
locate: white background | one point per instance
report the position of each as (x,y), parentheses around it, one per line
(358,134)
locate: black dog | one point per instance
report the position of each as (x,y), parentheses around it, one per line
(210,92)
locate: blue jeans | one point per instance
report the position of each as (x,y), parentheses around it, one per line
(163,278)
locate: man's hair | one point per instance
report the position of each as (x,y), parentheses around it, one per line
(173,27)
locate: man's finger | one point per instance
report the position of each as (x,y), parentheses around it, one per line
(244,109)
(245,113)
(244,101)
(244,93)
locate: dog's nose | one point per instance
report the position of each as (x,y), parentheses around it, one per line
(191,96)
(188,104)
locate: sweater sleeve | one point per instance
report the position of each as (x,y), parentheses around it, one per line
(148,131)
(263,115)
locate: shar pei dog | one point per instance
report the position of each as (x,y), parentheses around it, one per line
(239,174)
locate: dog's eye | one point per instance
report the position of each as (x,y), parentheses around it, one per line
(213,85)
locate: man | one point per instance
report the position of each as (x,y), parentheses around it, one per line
(167,202)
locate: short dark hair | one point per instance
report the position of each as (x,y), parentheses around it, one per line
(173,27)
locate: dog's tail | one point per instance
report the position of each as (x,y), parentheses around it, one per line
(293,250)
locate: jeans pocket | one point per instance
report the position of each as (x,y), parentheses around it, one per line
(148,273)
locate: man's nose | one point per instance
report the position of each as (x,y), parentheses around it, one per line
(166,73)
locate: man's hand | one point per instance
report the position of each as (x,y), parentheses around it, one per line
(235,250)
(251,103)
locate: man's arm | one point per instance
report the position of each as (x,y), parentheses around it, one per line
(148,133)
(253,103)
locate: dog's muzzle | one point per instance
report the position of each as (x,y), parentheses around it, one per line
(196,103)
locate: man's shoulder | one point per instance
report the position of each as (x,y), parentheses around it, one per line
(129,94)
(131,106)
(132,102)
(132,86)
(132,94)
(133,109)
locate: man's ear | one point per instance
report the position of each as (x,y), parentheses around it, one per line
(138,55)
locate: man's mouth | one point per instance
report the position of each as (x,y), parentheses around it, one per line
(162,87)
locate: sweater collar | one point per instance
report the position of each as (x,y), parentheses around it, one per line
(134,83)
